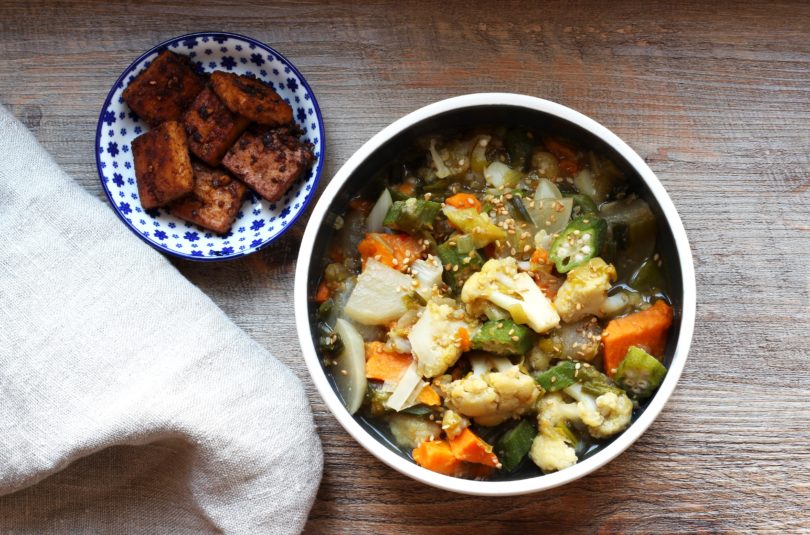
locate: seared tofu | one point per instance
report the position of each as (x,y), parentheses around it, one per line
(251,98)
(214,201)
(269,162)
(162,165)
(211,127)
(164,90)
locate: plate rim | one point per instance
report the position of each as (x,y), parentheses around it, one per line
(318,169)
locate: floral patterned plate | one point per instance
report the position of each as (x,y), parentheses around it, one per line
(259,222)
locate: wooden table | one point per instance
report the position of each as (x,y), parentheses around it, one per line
(717,100)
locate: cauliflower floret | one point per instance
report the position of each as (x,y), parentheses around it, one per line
(584,290)
(551,452)
(500,283)
(605,415)
(553,447)
(492,397)
(437,339)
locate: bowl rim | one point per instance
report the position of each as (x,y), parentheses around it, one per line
(122,81)
(522,486)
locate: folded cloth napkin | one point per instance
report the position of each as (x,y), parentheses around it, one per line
(129,403)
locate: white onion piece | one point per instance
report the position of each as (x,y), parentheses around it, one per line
(547,190)
(379,296)
(408,389)
(374,221)
(500,175)
(428,273)
(350,371)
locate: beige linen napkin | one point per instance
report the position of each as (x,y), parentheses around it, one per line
(129,403)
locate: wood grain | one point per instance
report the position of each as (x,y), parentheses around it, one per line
(715,96)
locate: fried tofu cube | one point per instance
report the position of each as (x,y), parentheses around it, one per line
(251,98)
(211,127)
(162,165)
(164,90)
(269,162)
(214,201)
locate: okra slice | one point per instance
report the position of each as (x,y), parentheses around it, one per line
(412,215)
(580,241)
(515,444)
(504,337)
(640,374)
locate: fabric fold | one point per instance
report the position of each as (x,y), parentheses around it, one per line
(129,402)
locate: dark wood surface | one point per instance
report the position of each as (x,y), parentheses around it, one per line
(715,97)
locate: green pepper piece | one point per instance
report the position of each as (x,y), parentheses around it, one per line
(640,374)
(559,376)
(519,146)
(520,209)
(515,444)
(418,410)
(580,241)
(504,337)
(647,277)
(412,215)
(397,195)
(458,266)
(582,204)
(464,243)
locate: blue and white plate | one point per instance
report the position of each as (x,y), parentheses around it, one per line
(259,222)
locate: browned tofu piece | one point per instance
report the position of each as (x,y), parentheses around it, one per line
(164,90)
(162,165)
(215,200)
(251,98)
(269,162)
(211,127)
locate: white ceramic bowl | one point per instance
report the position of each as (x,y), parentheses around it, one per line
(355,173)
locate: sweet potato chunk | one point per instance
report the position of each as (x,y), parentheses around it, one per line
(251,98)
(162,165)
(211,127)
(269,162)
(215,200)
(164,90)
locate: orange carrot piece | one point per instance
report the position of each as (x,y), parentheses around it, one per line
(565,154)
(569,167)
(464,336)
(394,250)
(323,293)
(469,447)
(406,188)
(646,329)
(428,396)
(360,205)
(436,455)
(559,149)
(539,256)
(464,200)
(385,365)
